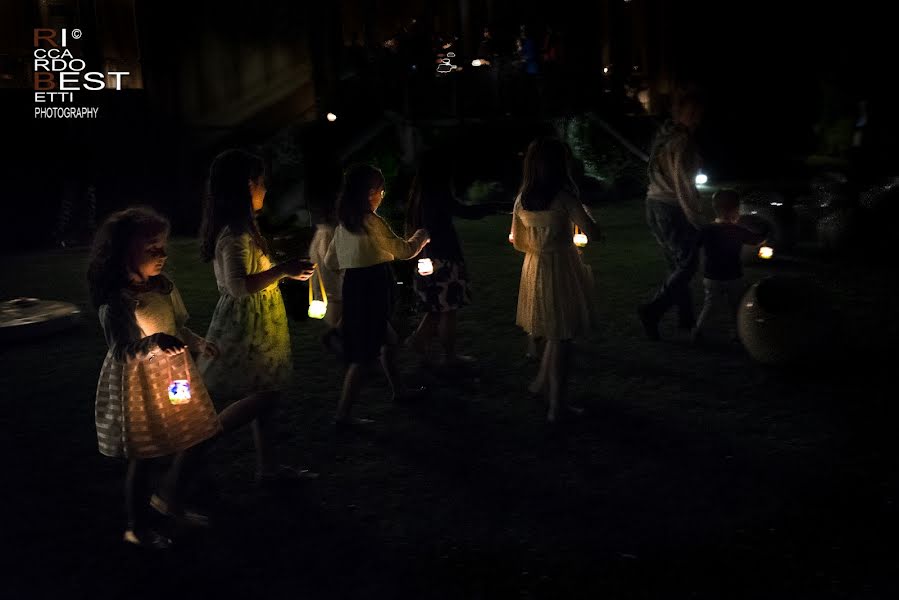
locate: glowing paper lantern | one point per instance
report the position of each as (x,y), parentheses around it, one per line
(317,308)
(580,238)
(179,391)
(766,252)
(425,266)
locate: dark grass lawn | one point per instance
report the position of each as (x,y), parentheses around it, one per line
(697,473)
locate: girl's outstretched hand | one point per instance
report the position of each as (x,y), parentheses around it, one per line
(299,269)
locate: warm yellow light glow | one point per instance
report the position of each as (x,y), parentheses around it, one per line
(332,117)
(580,238)
(317,309)
(479,62)
(766,252)
(425,266)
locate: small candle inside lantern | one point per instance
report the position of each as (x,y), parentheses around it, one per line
(766,252)
(317,309)
(425,266)
(179,391)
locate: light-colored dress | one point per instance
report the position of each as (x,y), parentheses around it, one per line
(129,324)
(250,329)
(555,295)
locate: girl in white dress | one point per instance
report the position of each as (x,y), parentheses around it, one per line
(142,313)
(555,295)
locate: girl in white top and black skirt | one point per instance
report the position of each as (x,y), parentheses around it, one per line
(363,247)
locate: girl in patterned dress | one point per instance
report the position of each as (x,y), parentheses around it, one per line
(432,206)
(249,323)
(141,311)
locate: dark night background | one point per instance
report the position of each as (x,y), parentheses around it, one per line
(699,473)
(779,77)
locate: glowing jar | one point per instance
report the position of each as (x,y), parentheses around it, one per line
(179,391)
(317,308)
(425,266)
(580,238)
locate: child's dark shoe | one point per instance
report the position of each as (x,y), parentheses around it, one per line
(182,516)
(148,539)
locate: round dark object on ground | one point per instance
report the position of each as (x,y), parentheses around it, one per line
(781,320)
(27,318)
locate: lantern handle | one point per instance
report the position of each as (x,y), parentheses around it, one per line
(321,285)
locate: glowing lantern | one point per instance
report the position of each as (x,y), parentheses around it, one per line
(179,391)
(425,266)
(317,308)
(331,117)
(701,178)
(580,238)
(766,252)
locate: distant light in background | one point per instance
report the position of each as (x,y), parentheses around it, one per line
(701,178)
(605,70)
(332,117)
(766,252)
(479,62)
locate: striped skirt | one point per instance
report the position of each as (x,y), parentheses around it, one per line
(135,416)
